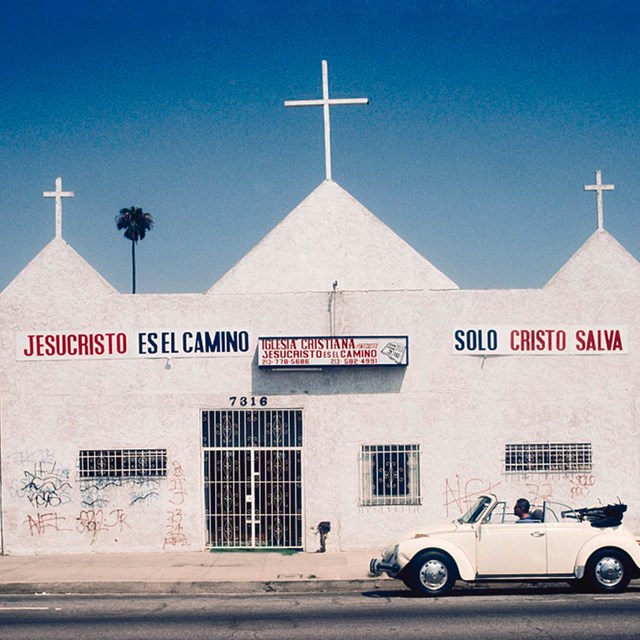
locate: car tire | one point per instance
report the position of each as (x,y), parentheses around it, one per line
(608,571)
(431,573)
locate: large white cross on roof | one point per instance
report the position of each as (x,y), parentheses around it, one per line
(598,187)
(58,194)
(325,103)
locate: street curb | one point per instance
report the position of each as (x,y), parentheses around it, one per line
(196,588)
(234,587)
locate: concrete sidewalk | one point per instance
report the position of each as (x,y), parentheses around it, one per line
(190,572)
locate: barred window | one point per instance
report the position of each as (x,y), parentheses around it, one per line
(122,463)
(390,474)
(548,458)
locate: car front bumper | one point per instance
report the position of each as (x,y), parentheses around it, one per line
(389,565)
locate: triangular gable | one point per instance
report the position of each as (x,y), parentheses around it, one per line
(58,272)
(331,237)
(601,263)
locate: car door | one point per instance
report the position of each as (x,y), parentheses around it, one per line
(511,549)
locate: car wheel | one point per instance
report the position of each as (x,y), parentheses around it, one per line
(431,573)
(608,570)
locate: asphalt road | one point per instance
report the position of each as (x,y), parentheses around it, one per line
(549,614)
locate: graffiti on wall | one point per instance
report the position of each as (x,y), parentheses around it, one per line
(143,497)
(88,521)
(49,489)
(174,530)
(96,493)
(576,487)
(43,482)
(459,495)
(581,485)
(536,493)
(95,521)
(39,523)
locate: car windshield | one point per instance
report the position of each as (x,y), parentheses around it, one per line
(475,511)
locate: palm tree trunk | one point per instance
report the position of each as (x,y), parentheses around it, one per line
(133,265)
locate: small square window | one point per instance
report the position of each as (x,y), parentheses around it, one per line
(390,474)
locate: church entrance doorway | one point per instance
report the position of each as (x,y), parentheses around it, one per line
(253,477)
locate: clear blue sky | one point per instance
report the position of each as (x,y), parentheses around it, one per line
(486,118)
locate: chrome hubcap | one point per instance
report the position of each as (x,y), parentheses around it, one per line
(609,571)
(433,574)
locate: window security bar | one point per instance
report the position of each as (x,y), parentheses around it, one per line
(390,475)
(548,457)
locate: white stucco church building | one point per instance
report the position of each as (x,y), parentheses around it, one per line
(334,375)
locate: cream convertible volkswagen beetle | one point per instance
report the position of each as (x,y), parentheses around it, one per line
(587,547)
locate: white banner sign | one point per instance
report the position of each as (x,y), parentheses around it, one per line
(96,345)
(333,351)
(538,341)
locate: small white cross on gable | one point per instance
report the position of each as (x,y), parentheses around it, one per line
(598,187)
(58,194)
(325,103)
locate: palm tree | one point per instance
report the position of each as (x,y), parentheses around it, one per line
(135,223)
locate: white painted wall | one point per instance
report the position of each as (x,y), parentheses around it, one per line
(461,410)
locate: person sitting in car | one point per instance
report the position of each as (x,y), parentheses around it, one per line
(521,509)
